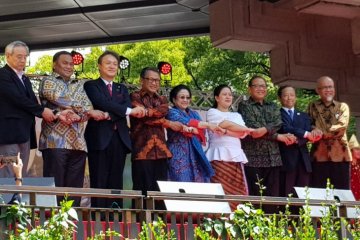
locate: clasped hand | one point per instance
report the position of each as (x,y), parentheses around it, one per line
(287,138)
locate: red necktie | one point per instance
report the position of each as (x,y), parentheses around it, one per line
(109,87)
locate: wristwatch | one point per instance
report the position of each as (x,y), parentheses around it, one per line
(56,112)
(18,179)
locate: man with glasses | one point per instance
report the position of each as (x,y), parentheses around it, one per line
(261,146)
(19,106)
(331,154)
(150,152)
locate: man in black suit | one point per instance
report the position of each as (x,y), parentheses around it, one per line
(296,167)
(108,140)
(19,106)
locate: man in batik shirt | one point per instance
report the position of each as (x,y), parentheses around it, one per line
(331,154)
(62,142)
(150,152)
(261,146)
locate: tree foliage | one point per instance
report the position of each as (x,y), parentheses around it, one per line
(209,66)
(2,60)
(141,55)
(43,66)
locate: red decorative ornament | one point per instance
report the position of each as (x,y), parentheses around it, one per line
(164,68)
(77,58)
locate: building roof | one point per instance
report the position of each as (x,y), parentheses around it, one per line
(47,24)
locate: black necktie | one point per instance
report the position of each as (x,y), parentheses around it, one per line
(23,80)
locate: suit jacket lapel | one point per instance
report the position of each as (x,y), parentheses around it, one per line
(28,86)
(287,116)
(103,87)
(18,82)
(117,89)
(296,116)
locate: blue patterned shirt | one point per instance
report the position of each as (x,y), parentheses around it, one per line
(58,94)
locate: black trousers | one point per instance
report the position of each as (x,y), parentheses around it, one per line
(337,172)
(270,178)
(297,177)
(106,171)
(145,173)
(67,167)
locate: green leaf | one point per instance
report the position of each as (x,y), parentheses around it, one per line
(219,227)
(72,213)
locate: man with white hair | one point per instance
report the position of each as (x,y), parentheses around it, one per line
(331,154)
(19,106)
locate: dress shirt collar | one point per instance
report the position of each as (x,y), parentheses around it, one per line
(287,109)
(143,93)
(252,101)
(107,82)
(320,102)
(58,76)
(18,73)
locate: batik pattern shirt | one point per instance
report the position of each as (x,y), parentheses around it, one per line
(58,94)
(333,121)
(264,151)
(147,133)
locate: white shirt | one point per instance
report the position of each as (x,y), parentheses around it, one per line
(224,147)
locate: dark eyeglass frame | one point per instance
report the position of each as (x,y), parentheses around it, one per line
(327,88)
(184,97)
(256,86)
(153,80)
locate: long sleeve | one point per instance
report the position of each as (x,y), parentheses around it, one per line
(156,114)
(339,128)
(55,91)
(116,109)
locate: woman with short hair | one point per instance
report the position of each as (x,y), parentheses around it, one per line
(188,163)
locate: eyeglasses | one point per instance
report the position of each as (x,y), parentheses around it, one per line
(153,80)
(326,88)
(184,97)
(259,86)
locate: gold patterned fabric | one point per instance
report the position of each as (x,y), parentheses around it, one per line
(333,121)
(58,94)
(353,142)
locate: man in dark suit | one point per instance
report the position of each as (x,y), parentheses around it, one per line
(296,167)
(19,106)
(108,140)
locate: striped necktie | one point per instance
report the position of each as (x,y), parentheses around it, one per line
(291,114)
(109,87)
